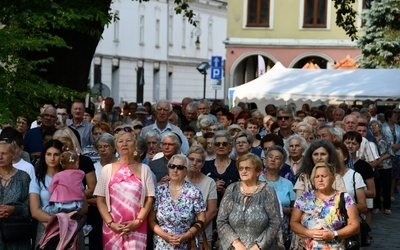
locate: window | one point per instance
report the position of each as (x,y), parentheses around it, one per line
(157,33)
(184,32)
(258,13)
(315,13)
(116,27)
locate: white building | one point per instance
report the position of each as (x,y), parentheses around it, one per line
(152,37)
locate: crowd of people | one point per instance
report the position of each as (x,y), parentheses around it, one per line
(156,176)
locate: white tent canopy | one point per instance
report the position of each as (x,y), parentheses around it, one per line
(282,85)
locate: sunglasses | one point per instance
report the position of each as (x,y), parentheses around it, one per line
(126,129)
(218,144)
(283,117)
(8,140)
(137,127)
(179,167)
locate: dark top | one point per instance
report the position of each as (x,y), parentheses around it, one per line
(230,175)
(159,168)
(86,165)
(364,169)
(33,141)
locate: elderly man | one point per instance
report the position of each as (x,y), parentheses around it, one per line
(33,141)
(77,122)
(327,132)
(191,115)
(182,115)
(112,115)
(162,112)
(204,108)
(284,118)
(373,111)
(366,153)
(338,115)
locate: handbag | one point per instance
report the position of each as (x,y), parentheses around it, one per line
(192,241)
(364,227)
(353,242)
(16,229)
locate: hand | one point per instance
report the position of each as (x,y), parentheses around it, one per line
(173,239)
(130,226)
(3,211)
(164,180)
(220,185)
(324,234)
(117,228)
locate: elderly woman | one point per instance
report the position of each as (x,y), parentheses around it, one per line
(153,140)
(39,196)
(243,142)
(319,151)
(197,156)
(125,192)
(384,169)
(14,195)
(105,147)
(97,129)
(315,216)
(273,162)
(170,146)
(177,206)
(296,145)
(204,122)
(245,220)
(303,129)
(222,169)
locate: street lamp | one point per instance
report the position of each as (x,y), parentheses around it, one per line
(202,68)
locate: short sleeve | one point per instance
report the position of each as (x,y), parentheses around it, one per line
(348,200)
(34,186)
(198,200)
(212,195)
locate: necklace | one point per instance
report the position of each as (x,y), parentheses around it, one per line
(248,194)
(6,181)
(175,188)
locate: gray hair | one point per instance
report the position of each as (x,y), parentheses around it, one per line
(204,101)
(197,150)
(286,109)
(303,142)
(204,121)
(153,134)
(310,118)
(181,157)
(141,145)
(280,149)
(222,133)
(192,106)
(175,137)
(308,125)
(247,134)
(165,101)
(105,137)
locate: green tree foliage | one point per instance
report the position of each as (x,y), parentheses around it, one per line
(47,48)
(380,44)
(346,17)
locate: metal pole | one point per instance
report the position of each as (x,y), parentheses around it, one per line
(205,78)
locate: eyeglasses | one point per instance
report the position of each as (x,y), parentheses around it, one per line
(283,117)
(374,126)
(105,147)
(126,129)
(21,123)
(137,127)
(195,160)
(179,167)
(218,144)
(247,169)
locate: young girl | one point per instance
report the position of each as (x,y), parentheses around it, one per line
(66,186)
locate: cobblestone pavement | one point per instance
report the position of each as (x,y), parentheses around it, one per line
(385,229)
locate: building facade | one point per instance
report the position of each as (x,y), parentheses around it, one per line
(150,53)
(291,32)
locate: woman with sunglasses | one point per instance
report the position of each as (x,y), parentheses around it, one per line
(222,169)
(197,156)
(177,206)
(245,220)
(125,192)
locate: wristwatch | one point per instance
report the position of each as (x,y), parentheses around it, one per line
(335,233)
(109,224)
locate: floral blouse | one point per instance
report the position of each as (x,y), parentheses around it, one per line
(317,212)
(176,217)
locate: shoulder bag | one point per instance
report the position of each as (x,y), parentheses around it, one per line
(353,242)
(192,245)
(16,229)
(364,227)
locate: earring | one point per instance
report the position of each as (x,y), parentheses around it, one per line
(135,153)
